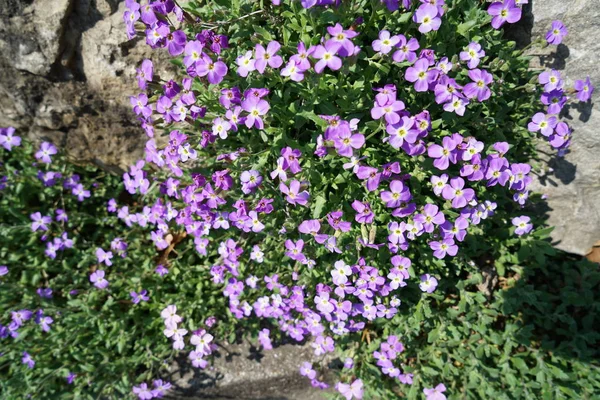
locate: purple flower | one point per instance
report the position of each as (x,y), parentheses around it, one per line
(523,225)
(97,278)
(345,142)
(431,216)
(8,138)
(402,132)
(551,80)
(456,105)
(39,221)
(457,230)
(555,100)
(43,321)
(145,74)
(385,42)
(161,270)
(398,194)
(372,175)
(557,33)
(27,360)
(364,215)
(445,154)
(46,150)
(348,363)
(292,69)
(472,55)
(428,283)
(327,57)
(455,192)
(544,123)
(255,107)
(306,369)
(79,191)
(301,58)
(584,89)
(389,109)
(435,393)
(250,181)
(246,64)
(406,50)
(214,71)
(264,339)
(142,296)
(341,39)
(3,270)
(143,392)
(291,157)
(351,391)
(71,378)
(446,246)
(44,293)
(421,76)
(293,194)
(176,42)
(502,12)
(478,88)
(104,256)
(267,57)
(429,18)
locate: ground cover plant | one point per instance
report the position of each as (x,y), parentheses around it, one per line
(353,175)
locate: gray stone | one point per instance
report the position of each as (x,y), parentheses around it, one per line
(66,71)
(243,372)
(572,183)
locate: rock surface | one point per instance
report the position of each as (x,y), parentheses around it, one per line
(573,188)
(244,372)
(66,71)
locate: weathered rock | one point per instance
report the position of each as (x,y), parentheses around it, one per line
(573,187)
(66,70)
(244,372)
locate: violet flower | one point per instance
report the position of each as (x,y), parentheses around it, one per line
(506,11)
(441,249)
(419,74)
(45,152)
(39,221)
(428,18)
(327,57)
(256,108)
(385,42)
(472,55)
(214,71)
(478,88)
(584,89)
(407,50)
(544,123)
(267,57)
(557,33)
(455,192)
(351,391)
(97,278)
(8,138)
(246,64)
(445,154)
(523,225)
(435,393)
(293,194)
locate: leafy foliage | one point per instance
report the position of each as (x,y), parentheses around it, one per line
(511,317)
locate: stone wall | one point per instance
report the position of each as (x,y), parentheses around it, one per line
(66,71)
(573,187)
